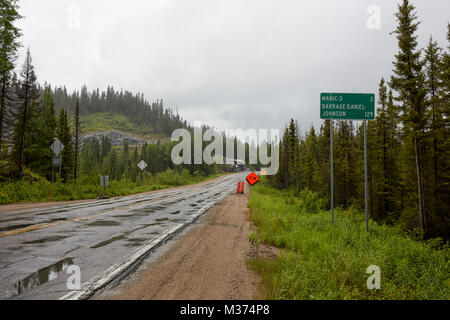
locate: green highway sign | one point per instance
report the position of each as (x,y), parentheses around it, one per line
(347,106)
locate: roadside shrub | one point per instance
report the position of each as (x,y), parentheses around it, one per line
(310,202)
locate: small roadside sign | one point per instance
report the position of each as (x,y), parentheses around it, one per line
(142,165)
(104,181)
(56,161)
(252,179)
(57,147)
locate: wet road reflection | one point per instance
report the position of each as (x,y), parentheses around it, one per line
(92,235)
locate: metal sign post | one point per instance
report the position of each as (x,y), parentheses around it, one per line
(332,170)
(348,106)
(366,192)
(104,182)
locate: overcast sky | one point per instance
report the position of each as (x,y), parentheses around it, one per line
(230,63)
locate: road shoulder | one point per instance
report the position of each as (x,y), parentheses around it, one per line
(206,262)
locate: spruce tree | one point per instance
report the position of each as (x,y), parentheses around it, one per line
(38,155)
(77,132)
(65,136)
(9,45)
(382,136)
(26,93)
(408,81)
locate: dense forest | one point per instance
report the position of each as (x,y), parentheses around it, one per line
(32,116)
(408,145)
(134,106)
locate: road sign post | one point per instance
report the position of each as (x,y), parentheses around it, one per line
(366,190)
(348,106)
(104,182)
(332,170)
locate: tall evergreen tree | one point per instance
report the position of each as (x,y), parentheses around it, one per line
(38,155)
(408,81)
(65,136)
(382,136)
(76,138)
(9,45)
(26,93)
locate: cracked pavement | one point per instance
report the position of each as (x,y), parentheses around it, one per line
(37,245)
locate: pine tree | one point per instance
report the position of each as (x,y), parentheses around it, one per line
(292,151)
(408,81)
(9,45)
(26,93)
(393,143)
(65,136)
(38,155)
(76,138)
(435,126)
(382,136)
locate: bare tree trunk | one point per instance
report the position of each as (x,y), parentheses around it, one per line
(77,135)
(420,193)
(2,110)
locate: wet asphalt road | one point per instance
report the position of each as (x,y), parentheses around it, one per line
(36,246)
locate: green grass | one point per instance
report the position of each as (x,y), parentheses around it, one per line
(113,121)
(320,261)
(37,189)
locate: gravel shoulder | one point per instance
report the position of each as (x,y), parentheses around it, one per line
(207,262)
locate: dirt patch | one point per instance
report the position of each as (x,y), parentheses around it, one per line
(208,263)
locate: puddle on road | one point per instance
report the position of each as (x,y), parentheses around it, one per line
(175,212)
(14,219)
(174,202)
(194,205)
(152,209)
(104,223)
(104,243)
(53,212)
(44,240)
(135,242)
(21,226)
(131,215)
(124,235)
(42,276)
(17,248)
(14,227)
(162,219)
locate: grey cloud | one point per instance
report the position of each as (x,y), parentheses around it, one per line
(230,63)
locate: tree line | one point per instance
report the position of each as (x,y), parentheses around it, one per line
(408,143)
(32,116)
(134,106)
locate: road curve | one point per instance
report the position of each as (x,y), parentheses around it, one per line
(103,238)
